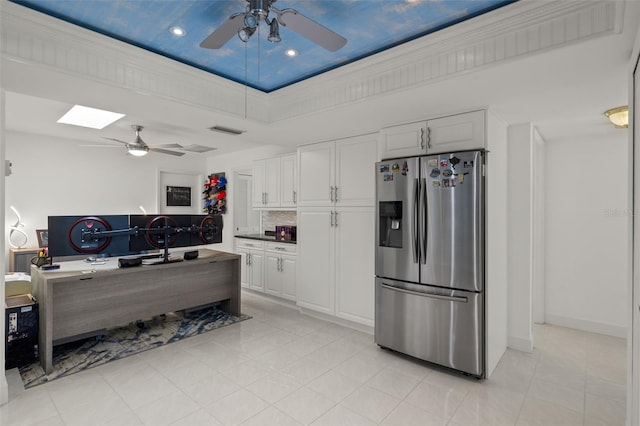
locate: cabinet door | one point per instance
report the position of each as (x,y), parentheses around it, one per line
(272,182)
(244,267)
(259,186)
(315,269)
(255,263)
(459,132)
(288,178)
(355,171)
(288,276)
(355,272)
(316,171)
(273,276)
(405,140)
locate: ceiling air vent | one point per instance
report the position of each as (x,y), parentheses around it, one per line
(227,130)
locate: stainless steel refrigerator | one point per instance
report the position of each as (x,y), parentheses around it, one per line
(430,259)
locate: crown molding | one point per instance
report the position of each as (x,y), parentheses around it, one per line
(521,29)
(36,39)
(515,31)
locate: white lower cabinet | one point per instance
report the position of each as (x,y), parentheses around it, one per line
(336,262)
(316,241)
(354,264)
(252,253)
(281,270)
(268,267)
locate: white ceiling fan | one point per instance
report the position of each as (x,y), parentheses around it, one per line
(245,25)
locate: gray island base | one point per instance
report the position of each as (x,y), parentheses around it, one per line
(81,298)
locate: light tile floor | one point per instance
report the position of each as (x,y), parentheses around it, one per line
(284,368)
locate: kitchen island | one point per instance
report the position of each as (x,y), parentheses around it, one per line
(80,299)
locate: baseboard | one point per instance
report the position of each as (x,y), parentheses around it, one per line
(520,344)
(340,321)
(586,325)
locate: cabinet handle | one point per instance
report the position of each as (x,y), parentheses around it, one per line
(280,248)
(336,219)
(250,260)
(332,219)
(331,193)
(429,137)
(266,197)
(280,264)
(421,138)
(295,201)
(335,189)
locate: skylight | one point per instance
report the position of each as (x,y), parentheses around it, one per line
(93,118)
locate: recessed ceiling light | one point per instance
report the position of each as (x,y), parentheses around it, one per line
(291,52)
(178,31)
(93,118)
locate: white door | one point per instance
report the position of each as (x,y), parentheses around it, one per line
(288,178)
(355,272)
(355,171)
(315,278)
(458,132)
(405,140)
(316,171)
(633,366)
(288,276)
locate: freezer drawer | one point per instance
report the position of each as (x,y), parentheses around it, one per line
(442,326)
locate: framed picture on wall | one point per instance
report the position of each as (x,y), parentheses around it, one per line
(178,196)
(43,237)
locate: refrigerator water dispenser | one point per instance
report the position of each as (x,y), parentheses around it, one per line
(390,224)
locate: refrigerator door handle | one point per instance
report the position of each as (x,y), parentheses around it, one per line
(429,295)
(424,220)
(414,222)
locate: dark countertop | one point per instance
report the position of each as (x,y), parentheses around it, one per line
(261,237)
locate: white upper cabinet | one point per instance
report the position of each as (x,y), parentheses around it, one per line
(337,173)
(459,132)
(355,171)
(316,171)
(274,182)
(288,170)
(406,140)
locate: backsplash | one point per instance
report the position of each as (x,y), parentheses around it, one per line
(271,219)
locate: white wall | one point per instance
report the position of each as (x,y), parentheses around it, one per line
(57,177)
(496,242)
(519,268)
(586,238)
(234,161)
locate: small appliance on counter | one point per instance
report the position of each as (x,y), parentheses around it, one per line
(286,233)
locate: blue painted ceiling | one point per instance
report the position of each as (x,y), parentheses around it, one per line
(370,26)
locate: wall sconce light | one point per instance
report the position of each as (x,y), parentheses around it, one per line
(619,116)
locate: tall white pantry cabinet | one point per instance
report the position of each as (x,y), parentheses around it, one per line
(336,187)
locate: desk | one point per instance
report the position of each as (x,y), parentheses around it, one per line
(81,298)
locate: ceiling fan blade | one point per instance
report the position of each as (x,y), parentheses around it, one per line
(169,145)
(224,32)
(101,146)
(164,151)
(310,29)
(117,140)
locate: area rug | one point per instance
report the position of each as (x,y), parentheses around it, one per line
(121,342)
